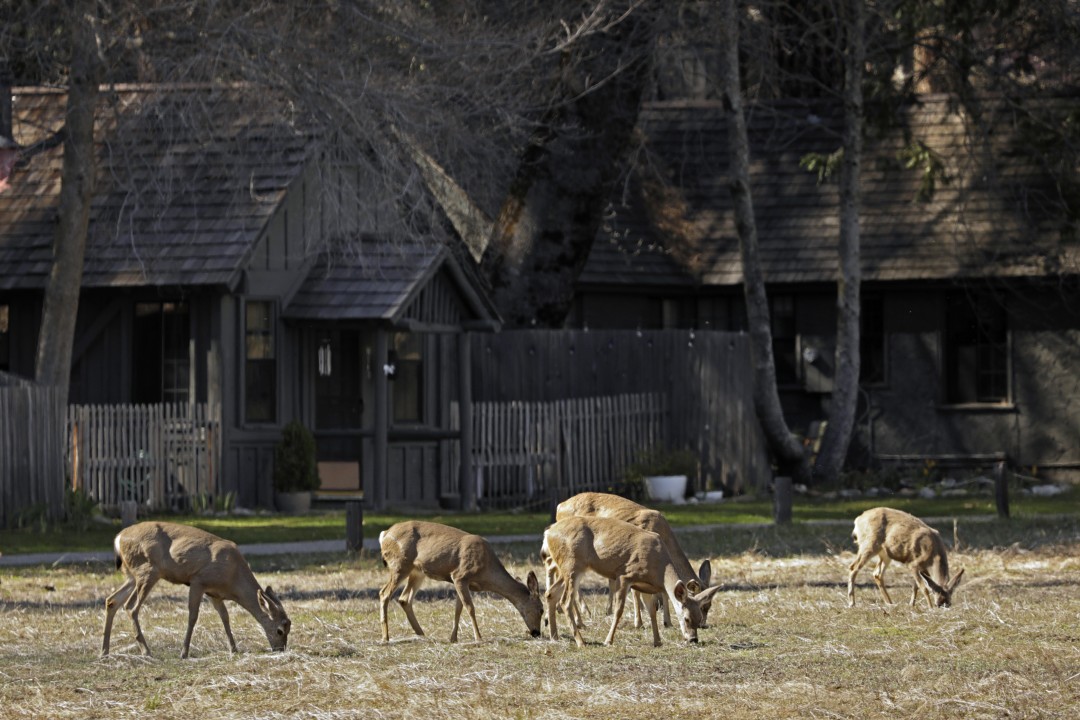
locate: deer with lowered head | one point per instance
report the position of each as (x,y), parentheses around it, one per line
(207,564)
(596,504)
(890,534)
(624,553)
(414,550)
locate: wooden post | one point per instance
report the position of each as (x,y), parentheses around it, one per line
(466,481)
(782,501)
(354,525)
(381,446)
(1001,490)
(129,511)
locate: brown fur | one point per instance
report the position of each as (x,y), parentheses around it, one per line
(890,534)
(633,558)
(414,550)
(207,564)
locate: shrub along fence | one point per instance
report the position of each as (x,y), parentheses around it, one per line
(32,480)
(702,380)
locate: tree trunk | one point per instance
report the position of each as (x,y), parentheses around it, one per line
(845,396)
(57,337)
(787,450)
(546,226)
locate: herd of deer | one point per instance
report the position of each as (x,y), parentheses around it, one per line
(630,545)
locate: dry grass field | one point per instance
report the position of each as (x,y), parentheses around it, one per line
(781,643)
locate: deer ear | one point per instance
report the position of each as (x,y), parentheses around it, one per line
(705,573)
(264,601)
(680,591)
(933,585)
(707,593)
(693,586)
(956,579)
(532,583)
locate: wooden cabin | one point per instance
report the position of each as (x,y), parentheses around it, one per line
(227,268)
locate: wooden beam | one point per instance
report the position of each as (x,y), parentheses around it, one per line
(381,445)
(466,483)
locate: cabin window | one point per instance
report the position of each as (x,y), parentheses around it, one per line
(161,371)
(725,312)
(872,340)
(260,363)
(5,338)
(976,349)
(782,316)
(407,389)
(339,370)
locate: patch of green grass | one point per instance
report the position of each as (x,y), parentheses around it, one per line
(330,524)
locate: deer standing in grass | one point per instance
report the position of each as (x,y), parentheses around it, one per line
(414,550)
(595,504)
(207,564)
(896,535)
(631,557)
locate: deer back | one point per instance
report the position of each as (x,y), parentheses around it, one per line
(905,539)
(606,505)
(612,548)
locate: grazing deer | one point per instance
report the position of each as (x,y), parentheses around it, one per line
(209,565)
(895,535)
(633,558)
(595,504)
(413,550)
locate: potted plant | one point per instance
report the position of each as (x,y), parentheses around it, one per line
(295,472)
(664,473)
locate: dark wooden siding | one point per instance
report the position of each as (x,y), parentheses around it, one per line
(707,377)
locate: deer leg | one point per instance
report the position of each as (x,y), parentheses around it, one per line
(223,613)
(553,595)
(879,576)
(861,559)
(387,590)
(653,602)
(416,579)
(920,584)
(639,604)
(112,604)
(464,597)
(195,594)
(620,604)
(571,592)
(610,596)
(134,603)
(662,601)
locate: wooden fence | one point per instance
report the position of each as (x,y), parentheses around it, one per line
(32,479)
(158,456)
(706,378)
(531,453)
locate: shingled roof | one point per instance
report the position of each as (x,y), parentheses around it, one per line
(996,212)
(188,178)
(406,284)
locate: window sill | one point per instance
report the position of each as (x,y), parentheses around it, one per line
(977,408)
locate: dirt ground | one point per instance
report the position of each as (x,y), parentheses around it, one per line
(781,643)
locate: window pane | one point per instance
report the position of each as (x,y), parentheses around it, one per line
(872,340)
(976,351)
(782,316)
(260,368)
(407,388)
